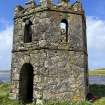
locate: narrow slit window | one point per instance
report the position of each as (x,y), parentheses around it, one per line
(64,27)
(28,32)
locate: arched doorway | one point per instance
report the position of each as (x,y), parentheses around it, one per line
(26,83)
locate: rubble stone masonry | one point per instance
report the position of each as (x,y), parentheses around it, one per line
(49,56)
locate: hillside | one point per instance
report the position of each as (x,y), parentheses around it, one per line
(97,72)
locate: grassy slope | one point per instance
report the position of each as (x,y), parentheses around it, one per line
(4,89)
(96,90)
(97,72)
(4,94)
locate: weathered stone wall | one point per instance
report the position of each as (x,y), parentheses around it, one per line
(56,72)
(47,33)
(60,66)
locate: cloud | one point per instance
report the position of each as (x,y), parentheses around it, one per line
(6,38)
(96,42)
(6,34)
(96,33)
(4,23)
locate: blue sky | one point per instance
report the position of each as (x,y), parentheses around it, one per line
(95,15)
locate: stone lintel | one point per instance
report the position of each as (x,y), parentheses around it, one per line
(76,50)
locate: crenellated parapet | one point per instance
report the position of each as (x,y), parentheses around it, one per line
(64,5)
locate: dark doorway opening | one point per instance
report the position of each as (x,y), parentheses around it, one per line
(26,84)
(28,32)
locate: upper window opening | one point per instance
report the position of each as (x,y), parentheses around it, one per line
(64,27)
(28,32)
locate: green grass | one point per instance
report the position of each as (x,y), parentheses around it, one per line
(4,95)
(97,72)
(4,89)
(98,90)
(100,101)
(95,89)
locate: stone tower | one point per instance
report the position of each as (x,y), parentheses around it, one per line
(49,56)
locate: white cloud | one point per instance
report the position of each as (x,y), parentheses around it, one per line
(96,33)
(6,38)
(6,34)
(96,42)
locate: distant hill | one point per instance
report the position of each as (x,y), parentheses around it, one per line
(4,70)
(97,72)
(4,76)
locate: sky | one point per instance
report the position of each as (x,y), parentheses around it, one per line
(95,18)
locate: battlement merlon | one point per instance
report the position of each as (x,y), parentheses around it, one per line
(30,4)
(18,10)
(47,5)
